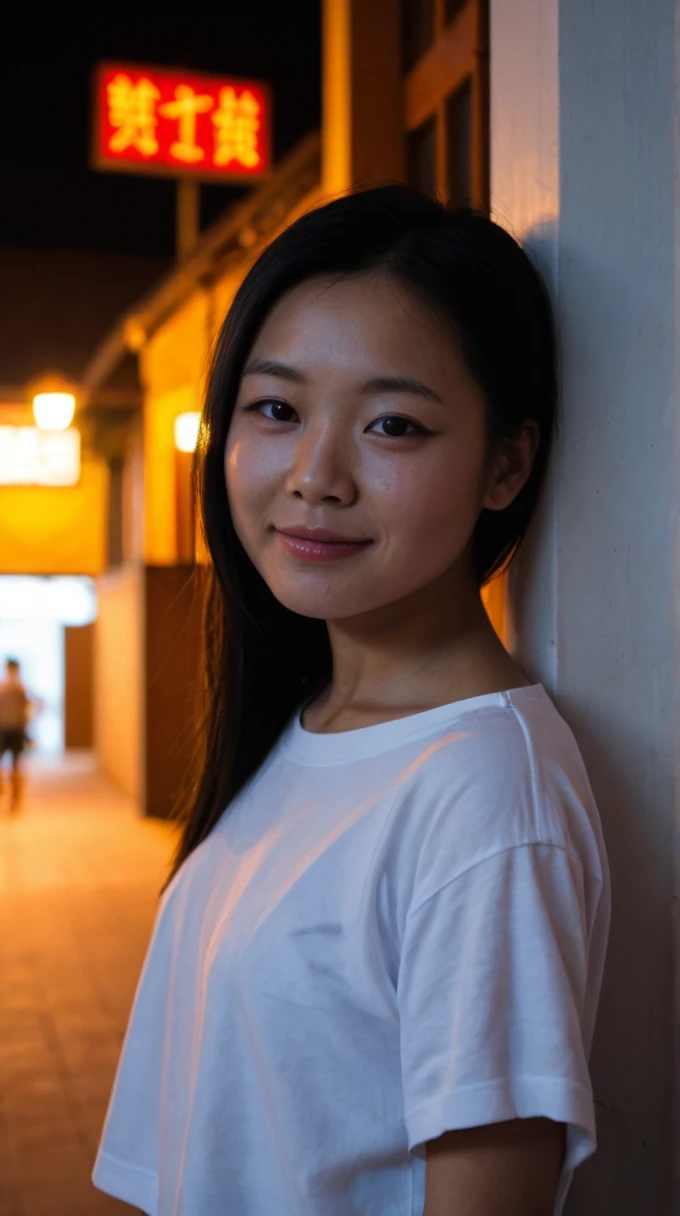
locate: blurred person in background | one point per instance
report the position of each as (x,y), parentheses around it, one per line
(15,705)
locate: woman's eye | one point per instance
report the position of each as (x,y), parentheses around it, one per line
(280,409)
(396,427)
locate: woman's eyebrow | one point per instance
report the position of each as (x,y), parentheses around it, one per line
(401,384)
(272,367)
(379,384)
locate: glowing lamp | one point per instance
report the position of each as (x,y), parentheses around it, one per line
(54,411)
(186,431)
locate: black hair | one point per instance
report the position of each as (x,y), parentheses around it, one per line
(10,662)
(261,659)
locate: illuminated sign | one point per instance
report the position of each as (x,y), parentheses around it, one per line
(174,123)
(31,457)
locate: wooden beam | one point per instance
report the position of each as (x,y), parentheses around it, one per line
(480,107)
(442,69)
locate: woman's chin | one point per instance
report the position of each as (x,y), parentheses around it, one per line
(322,607)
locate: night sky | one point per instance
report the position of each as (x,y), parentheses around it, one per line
(49,198)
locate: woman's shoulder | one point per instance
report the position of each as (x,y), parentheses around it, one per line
(509,774)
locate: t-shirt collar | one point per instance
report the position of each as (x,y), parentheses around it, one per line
(342,747)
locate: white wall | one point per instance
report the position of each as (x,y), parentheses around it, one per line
(584,155)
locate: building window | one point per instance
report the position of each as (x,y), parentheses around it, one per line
(446,93)
(417,29)
(459,145)
(452,9)
(115,520)
(421,157)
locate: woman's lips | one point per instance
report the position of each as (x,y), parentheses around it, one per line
(309,550)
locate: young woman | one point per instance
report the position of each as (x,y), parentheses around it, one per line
(372,983)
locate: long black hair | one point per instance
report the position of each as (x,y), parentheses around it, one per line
(261,659)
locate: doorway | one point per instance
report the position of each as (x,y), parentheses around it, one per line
(46,624)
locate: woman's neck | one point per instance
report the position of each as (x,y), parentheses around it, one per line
(379,675)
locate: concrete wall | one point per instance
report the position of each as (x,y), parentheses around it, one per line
(120,682)
(584,155)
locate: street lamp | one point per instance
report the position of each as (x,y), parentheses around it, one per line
(54,411)
(186,431)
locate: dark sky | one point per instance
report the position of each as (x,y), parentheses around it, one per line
(49,198)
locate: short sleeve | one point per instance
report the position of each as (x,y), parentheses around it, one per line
(491,991)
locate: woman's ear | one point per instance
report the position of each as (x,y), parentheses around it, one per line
(511,466)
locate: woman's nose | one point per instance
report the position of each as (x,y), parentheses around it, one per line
(321,469)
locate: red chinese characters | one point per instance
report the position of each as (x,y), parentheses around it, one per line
(160,121)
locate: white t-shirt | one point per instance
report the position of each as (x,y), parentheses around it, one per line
(393,932)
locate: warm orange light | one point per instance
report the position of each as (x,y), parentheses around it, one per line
(33,457)
(54,411)
(186,431)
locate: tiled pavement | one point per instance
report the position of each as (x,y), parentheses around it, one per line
(79,879)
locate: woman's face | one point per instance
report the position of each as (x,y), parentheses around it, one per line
(356,414)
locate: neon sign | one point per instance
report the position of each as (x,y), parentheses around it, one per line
(173,123)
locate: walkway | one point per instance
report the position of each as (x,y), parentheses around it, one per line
(79,880)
